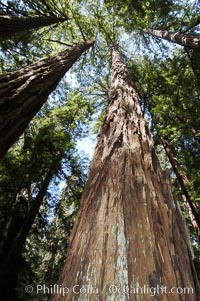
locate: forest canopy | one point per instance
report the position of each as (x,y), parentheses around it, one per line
(55,78)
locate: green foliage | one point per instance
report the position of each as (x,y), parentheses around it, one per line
(26,47)
(173,15)
(140,13)
(48,142)
(33,8)
(168,84)
(171,93)
(50,242)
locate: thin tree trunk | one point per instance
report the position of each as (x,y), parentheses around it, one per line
(183,39)
(183,181)
(195,132)
(192,217)
(23,92)
(10,25)
(130,234)
(10,261)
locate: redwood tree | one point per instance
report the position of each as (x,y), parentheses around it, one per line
(130,232)
(184,39)
(184,184)
(10,25)
(23,92)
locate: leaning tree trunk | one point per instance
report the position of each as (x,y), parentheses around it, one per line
(23,92)
(183,39)
(195,131)
(183,182)
(10,25)
(130,235)
(11,258)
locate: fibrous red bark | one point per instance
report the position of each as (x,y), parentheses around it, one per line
(130,235)
(23,92)
(10,25)
(184,39)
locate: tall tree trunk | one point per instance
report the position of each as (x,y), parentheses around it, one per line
(10,25)
(183,39)
(23,92)
(10,261)
(130,233)
(183,181)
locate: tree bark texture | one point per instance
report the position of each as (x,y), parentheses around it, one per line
(23,92)
(183,39)
(183,182)
(129,232)
(10,25)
